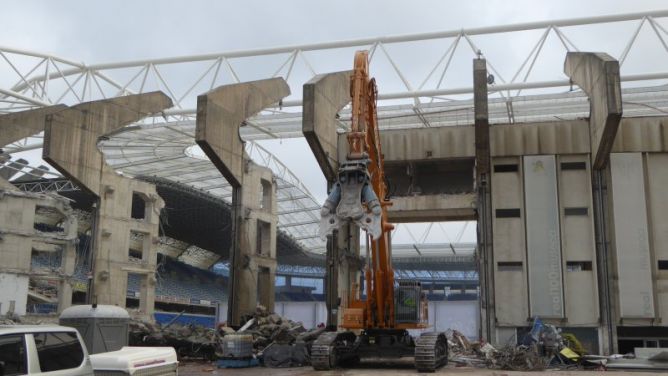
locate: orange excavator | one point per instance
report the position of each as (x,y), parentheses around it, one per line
(379,313)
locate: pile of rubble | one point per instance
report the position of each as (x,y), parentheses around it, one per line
(278,341)
(268,328)
(191,341)
(542,348)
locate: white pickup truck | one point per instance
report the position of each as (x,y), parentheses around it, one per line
(59,350)
(40,349)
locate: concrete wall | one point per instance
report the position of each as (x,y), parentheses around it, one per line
(543,237)
(18,238)
(115,225)
(577,240)
(14,293)
(656,184)
(510,264)
(257,248)
(640,223)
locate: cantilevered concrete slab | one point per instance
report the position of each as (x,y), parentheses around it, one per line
(71,136)
(598,75)
(324,96)
(19,125)
(221,112)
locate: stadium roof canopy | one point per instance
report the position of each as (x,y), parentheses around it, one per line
(424,79)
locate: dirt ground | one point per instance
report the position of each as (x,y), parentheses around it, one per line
(207,368)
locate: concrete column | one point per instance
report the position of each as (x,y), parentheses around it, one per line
(70,145)
(220,113)
(324,96)
(597,74)
(484,204)
(257,251)
(68,263)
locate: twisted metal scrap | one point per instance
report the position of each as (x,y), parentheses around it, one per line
(520,358)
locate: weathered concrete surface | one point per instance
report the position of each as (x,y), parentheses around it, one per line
(19,125)
(255,263)
(71,135)
(433,208)
(483,212)
(221,112)
(598,75)
(18,215)
(70,145)
(324,96)
(642,134)
(404,145)
(554,137)
(481,115)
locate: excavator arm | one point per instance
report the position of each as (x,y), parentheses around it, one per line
(360,196)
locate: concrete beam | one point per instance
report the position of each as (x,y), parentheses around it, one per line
(433,208)
(597,74)
(71,135)
(19,125)
(324,96)
(221,112)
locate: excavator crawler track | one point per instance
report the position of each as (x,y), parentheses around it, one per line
(330,349)
(431,352)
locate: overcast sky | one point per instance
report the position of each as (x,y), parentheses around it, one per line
(96,32)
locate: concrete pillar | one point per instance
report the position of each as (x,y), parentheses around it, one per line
(257,251)
(69,256)
(220,113)
(484,204)
(70,146)
(324,96)
(597,74)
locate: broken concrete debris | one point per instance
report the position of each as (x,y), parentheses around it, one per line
(288,342)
